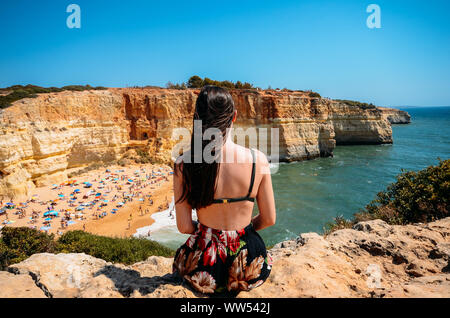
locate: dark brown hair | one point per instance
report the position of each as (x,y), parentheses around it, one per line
(215,108)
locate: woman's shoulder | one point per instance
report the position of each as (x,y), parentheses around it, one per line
(260,157)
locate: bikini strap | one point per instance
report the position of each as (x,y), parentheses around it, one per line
(252,180)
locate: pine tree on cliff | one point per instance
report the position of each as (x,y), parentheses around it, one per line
(195,82)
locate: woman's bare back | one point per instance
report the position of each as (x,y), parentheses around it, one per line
(233,182)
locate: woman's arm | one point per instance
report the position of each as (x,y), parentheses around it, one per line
(182,209)
(264,197)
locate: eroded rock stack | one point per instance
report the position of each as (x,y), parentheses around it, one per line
(396,116)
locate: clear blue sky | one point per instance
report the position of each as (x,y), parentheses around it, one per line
(320,45)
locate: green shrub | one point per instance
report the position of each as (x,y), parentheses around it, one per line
(197,82)
(339,223)
(176,86)
(20,243)
(6,256)
(421,196)
(357,104)
(122,162)
(314,94)
(144,156)
(116,250)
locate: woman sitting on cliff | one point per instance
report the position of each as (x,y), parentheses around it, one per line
(224,252)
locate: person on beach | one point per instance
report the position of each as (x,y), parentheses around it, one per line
(224,253)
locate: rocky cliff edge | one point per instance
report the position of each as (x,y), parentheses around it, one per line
(373,259)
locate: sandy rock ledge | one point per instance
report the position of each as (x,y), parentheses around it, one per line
(373,259)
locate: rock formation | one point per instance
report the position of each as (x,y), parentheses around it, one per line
(43,139)
(373,259)
(395,116)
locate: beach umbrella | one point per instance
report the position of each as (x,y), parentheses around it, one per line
(105,201)
(48,219)
(114,210)
(76,190)
(10,204)
(61,195)
(130,180)
(98,194)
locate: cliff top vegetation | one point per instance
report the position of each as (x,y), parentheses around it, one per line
(19,243)
(13,93)
(198,82)
(357,104)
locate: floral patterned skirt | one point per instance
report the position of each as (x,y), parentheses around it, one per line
(215,261)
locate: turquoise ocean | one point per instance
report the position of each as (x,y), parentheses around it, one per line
(309,194)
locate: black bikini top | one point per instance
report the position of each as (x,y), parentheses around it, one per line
(247,197)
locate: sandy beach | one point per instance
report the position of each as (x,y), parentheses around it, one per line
(113,201)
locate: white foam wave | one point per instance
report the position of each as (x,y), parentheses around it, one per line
(164,230)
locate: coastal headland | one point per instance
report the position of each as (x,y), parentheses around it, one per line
(43,140)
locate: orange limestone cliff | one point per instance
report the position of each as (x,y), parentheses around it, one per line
(42,139)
